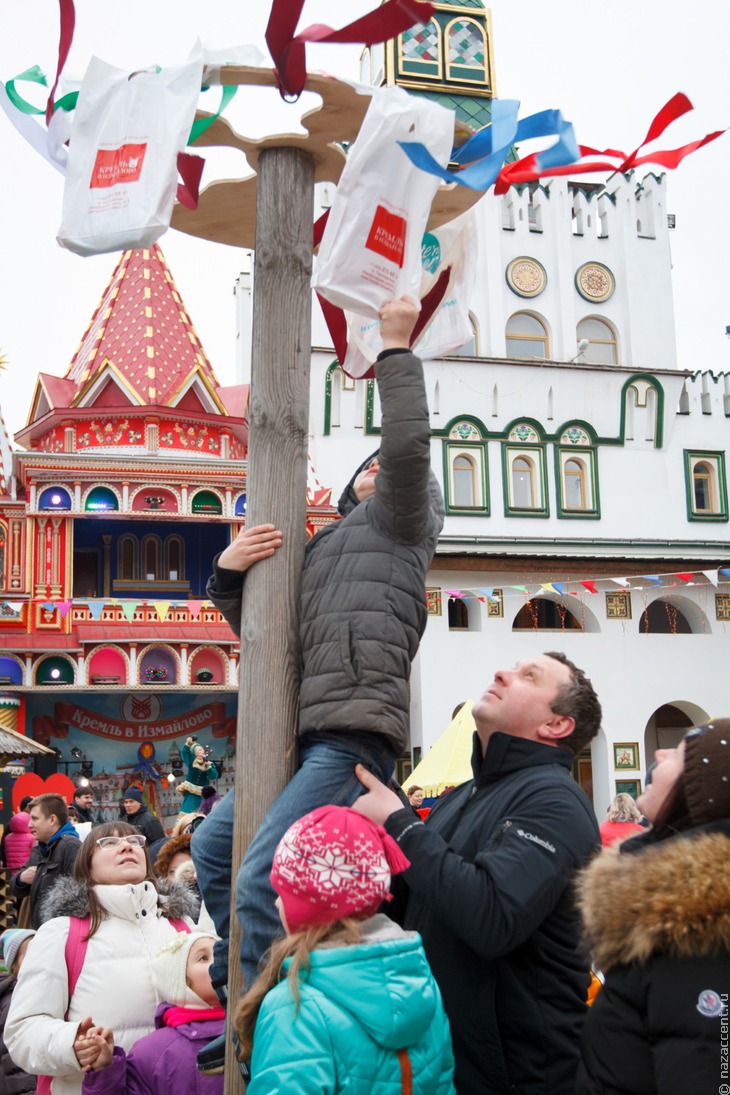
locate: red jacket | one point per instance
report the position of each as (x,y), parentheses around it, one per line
(611,831)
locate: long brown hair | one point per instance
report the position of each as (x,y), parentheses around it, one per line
(82,866)
(297,946)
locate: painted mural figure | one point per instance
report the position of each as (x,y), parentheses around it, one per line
(201,772)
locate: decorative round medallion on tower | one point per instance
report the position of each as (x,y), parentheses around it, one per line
(526,277)
(595,282)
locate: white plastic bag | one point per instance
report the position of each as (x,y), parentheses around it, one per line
(371,249)
(452,245)
(122,166)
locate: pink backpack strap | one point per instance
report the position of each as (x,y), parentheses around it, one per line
(76,947)
(75,953)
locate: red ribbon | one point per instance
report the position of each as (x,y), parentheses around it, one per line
(288,49)
(68,22)
(527,170)
(190,169)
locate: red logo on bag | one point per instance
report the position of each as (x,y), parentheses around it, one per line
(117,165)
(387,236)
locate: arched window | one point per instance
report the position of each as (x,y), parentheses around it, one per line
(206,501)
(471,347)
(174,558)
(54,498)
(464,476)
(702,486)
(458,614)
(101,499)
(575,484)
(421,53)
(467,51)
(150,558)
(542,614)
(526,336)
(127,553)
(523,483)
(663,618)
(602,341)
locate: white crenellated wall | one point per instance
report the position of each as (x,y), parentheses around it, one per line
(641,308)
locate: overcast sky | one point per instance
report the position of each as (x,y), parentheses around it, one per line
(609,67)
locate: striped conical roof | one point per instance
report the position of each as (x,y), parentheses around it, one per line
(142,328)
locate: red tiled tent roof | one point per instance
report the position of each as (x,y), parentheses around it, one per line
(142,328)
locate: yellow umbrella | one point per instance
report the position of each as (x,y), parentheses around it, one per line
(448,761)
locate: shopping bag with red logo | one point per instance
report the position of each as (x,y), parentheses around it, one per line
(122,165)
(451,247)
(371,249)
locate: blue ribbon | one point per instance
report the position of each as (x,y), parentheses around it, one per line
(144,767)
(486,151)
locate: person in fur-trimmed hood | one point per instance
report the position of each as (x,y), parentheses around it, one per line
(131,919)
(657,920)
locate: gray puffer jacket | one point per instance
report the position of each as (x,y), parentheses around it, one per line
(362,605)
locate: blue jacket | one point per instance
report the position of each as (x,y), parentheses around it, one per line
(360,1005)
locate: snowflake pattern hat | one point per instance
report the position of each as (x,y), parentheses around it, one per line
(334,863)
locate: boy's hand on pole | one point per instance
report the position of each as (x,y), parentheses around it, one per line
(251,545)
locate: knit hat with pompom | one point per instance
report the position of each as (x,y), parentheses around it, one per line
(334,863)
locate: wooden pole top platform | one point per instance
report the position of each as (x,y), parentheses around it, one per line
(226,210)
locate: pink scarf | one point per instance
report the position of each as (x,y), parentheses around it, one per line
(175,1017)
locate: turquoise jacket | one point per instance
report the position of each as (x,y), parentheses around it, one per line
(360,1005)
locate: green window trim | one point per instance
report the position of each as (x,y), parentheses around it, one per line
(717,458)
(537,454)
(590,456)
(659,420)
(477,449)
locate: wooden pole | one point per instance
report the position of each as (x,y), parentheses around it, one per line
(277,479)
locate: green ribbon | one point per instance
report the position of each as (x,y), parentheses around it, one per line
(68,102)
(201,124)
(32,76)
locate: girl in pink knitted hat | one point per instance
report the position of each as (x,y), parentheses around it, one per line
(346,1001)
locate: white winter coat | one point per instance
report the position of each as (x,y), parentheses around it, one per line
(115,985)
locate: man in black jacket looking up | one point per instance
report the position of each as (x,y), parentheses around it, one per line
(490,881)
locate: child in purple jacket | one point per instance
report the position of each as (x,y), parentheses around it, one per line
(166,1060)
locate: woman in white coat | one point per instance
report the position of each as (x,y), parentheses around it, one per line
(114,885)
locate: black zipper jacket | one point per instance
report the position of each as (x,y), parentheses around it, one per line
(490,891)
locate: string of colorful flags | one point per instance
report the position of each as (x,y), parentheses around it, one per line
(97,606)
(635,583)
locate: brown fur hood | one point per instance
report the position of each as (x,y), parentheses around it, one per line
(672,898)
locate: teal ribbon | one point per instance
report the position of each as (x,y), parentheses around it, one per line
(32,76)
(201,124)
